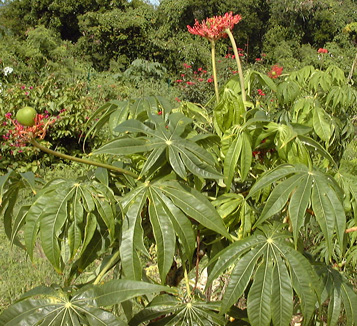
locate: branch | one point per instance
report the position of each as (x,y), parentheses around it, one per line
(82,160)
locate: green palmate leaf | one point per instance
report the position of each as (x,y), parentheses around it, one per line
(322,124)
(260,295)
(279,270)
(305,188)
(164,234)
(55,307)
(175,312)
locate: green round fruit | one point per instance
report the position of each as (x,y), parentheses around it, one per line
(26,116)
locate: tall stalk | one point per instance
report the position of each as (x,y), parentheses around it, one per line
(214,68)
(239,65)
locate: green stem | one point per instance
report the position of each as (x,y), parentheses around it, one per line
(214,68)
(187,281)
(107,267)
(82,160)
(239,65)
(349,78)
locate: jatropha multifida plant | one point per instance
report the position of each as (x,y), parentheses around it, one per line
(238,213)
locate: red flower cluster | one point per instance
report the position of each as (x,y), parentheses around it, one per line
(214,28)
(322,50)
(260,92)
(22,134)
(275,71)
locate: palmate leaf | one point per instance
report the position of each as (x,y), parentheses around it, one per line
(276,268)
(175,312)
(166,142)
(301,190)
(54,306)
(67,213)
(170,205)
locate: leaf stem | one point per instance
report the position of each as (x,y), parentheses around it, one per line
(239,65)
(82,160)
(107,267)
(214,69)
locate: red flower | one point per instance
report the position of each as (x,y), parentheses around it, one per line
(190,83)
(186,66)
(178,80)
(260,92)
(214,28)
(322,50)
(209,80)
(275,71)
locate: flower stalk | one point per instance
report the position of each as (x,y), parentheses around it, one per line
(214,69)
(239,65)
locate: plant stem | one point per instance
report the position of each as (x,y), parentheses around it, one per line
(187,281)
(107,267)
(349,78)
(240,71)
(214,69)
(82,160)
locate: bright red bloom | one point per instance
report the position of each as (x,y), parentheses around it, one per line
(275,71)
(22,134)
(322,50)
(214,28)
(190,83)
(209,80)
(260,92)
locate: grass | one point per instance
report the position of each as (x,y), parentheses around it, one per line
(18,274)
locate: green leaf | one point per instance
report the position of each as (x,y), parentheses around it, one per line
(240,277)
(181,224)
(164,234)
(303,278)
(196,206)
(260,296)
(272,176)
(322,124)
(132,207)
(53,218)
(279,197)
(124,146)
(282,293)
(228,256)
(117,291)
(299,202)
(231,160)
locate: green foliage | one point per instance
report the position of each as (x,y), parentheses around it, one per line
(259,193)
